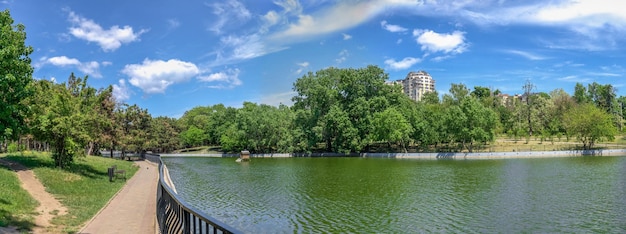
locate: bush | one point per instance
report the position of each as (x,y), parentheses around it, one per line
(12,148)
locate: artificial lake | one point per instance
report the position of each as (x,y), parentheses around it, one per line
(381,195)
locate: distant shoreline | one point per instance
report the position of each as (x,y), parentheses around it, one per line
(431,156)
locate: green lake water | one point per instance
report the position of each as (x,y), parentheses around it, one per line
(376,195)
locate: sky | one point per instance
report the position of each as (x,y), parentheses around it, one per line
(170,56)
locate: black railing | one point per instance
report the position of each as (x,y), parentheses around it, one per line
(176,216)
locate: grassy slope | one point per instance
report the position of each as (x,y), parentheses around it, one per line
(16,205)
(84,188)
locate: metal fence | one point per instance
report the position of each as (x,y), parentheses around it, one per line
(176,216)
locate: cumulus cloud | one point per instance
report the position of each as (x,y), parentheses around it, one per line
(402,64)
(453,43)
(392,28)
(121,91)
(108,40)
(154,76)
(228,79)
(91,68)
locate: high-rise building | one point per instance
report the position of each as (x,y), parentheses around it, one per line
(416,84)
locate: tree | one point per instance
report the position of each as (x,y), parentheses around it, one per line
(15,77)
(134,124)
(528,89)
(589,124)
(391,126)
(580,94)
(164,134)
(474,123)
(333,99)
(192,137)
(459,92)
(58,120)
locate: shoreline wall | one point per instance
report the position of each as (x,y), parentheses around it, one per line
(431,156)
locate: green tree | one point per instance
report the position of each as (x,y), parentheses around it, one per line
(589,124)
(164,134)
(193,136)
(59,121)
(134,124)
(580,94)
(391,126)
(470,123)
(15,77)
(334,98)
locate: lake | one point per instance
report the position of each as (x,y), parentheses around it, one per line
(380,195)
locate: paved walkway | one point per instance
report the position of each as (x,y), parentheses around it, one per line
(133,209)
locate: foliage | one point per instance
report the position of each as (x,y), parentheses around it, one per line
(57,118)
(589,124)
(336,107)
(134,123)
(164,132)
(15,77)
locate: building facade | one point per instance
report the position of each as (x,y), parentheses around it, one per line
(416,84)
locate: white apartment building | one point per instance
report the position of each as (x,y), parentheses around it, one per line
(416,84)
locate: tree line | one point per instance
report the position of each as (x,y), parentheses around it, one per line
(353,110)
(343,110)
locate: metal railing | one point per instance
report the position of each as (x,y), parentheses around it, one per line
(176,216)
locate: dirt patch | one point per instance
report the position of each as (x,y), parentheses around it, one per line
(49,207)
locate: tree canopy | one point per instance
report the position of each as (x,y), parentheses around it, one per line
(15,76)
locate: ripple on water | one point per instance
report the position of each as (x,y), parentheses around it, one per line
(312,195)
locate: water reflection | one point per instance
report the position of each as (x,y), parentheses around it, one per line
(366,195)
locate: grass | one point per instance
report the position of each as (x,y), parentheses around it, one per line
(17,207)
(83,188)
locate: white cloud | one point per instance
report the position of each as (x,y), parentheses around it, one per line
(402,64)
(575,79)
(290,6)
(453,43)
(343,55)
(341,16)
(271,17)
(108,40)
(173,23)
(229,79)
(593,24)
(346,36)
(121,91)
(91,68)
(392,28)
(302,66)
(237,48)
(229,13)
(525,54)
(154,76)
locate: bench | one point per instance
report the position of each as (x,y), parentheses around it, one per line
(115,173)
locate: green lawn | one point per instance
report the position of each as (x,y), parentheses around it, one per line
(84,187)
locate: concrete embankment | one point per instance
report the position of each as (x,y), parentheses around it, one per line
(480,155)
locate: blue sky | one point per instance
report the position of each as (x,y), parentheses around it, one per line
(170,56)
